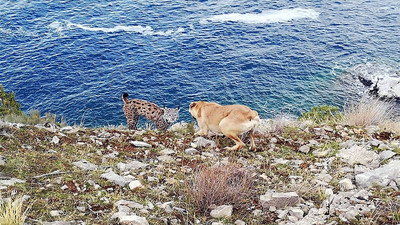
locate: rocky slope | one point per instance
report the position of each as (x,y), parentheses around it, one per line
(303,174)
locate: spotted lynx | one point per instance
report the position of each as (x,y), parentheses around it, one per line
(162,117)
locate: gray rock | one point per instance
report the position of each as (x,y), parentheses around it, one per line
(133,165)
(346,185)
(85,165)
(313,217)
(167,151)
(133,220)
(240,222)
(111,155)
(279,200)
(165,158)
(383,80)
(202,142)
(135,185)
(130,204)
(140,144)
(296,212)
(223,211)
(11,182)
(305,149)
(117,179)
(386,154)
(359,155)
(381,176)
(55,140)
(55,213)
(3,160)
(191,151)
(273,140)
(57,223)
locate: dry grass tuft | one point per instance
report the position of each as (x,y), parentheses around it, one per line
(368,112)
(11,212)
(219,185)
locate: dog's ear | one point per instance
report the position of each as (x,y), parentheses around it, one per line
(193,104)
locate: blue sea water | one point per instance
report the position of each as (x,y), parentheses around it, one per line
(76,58)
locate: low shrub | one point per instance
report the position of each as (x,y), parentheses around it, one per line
(322,114)
(220,185)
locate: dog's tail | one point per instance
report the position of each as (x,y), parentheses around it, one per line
(125,97)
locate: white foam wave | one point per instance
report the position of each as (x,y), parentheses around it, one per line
(146,30)
(271,16)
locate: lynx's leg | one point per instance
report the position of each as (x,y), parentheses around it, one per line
(132,122)
(161,124)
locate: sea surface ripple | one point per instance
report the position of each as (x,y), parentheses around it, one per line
(76,58)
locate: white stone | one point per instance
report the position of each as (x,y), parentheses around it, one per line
(305,149)
(191,151)
(130,204)
(11,182)
(346,185)
(240,222)
(381,176)
(223,211)
(359,155)
(279,200)
(140,144)
(85,165)
(257,212)
(116,179)
(296,212)
(132,165)
(133,220)
(386,154)
(135,185)
(3,160)
(55,140)
(167,151)
(165,158)
(55,213)
(202,142)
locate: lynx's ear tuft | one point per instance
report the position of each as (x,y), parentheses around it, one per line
(179,108)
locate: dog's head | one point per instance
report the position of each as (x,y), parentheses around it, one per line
(194,109)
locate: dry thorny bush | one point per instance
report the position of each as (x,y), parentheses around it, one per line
(220,185)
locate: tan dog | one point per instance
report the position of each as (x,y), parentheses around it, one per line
(231,120)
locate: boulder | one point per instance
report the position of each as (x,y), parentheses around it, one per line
(359,155)
(279,200)
(381,176)
(223,211)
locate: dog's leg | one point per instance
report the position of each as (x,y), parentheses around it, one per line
(203,129)
(239,143)
(253,144)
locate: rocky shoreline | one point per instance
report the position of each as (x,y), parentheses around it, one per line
(305,174)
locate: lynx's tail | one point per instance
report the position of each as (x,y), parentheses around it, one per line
(125,97)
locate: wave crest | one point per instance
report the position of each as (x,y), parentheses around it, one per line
(271,16)
(145,30)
